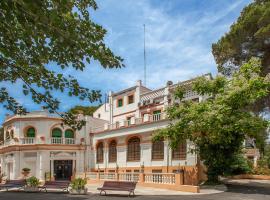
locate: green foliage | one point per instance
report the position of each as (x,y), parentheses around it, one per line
(33,181)
(78,183)
(39,37)
(219,125)
(86,110)
(248,37)
(238,165)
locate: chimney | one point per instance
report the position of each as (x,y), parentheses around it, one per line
(139,83)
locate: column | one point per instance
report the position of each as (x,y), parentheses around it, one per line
(166,155)
(16,165)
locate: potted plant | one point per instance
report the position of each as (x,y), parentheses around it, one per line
(26,171)
(78,186)
(32,184)
(2,177)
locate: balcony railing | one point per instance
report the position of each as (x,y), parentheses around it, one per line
(28,140)
(131,122)
(33,140)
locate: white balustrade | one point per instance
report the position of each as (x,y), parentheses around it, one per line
(69,141)
(133,121)
(107,176)
(160,178)
(91,175)
(156,117)
(133,177)
(56,140)
(28,140)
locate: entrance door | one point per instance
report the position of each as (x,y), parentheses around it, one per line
(63,169)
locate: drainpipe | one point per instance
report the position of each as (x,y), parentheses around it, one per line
(167,157)
(85,145)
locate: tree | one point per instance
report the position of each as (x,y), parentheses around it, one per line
(40,38)
(86,110)
(1,134)
(248,37)
(219,125)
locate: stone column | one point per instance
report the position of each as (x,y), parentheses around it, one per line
(16,165)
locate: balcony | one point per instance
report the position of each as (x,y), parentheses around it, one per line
(41,140)
(147,118)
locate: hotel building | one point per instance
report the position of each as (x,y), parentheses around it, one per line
(117,139)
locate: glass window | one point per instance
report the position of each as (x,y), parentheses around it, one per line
(112,151)
(69,133)
(156,112)
(134,149)
(100,153)
(180,152)
(158,150)
(56,132)
(120,103)
(30,132)
(130,99)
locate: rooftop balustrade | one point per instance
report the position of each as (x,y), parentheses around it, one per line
(147,118)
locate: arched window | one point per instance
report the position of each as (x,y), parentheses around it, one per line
(180,152)
(134,149)
(112,151)
(158,150)
(31,132)
(100,153)
(12,134)
(57,132)
(69,133)
(7,135)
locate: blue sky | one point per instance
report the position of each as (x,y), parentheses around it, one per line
(179,35)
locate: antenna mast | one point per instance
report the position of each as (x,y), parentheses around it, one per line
(144,54)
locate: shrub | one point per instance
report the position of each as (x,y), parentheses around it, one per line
(238,165)
(78,183)
(33,181)
(261,171)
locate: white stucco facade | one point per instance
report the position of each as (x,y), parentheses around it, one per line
(133,114)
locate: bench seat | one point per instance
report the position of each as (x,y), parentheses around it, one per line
(118,186)
(63,185)
(13,184)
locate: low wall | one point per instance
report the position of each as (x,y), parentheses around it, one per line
(251,176)
(158,180)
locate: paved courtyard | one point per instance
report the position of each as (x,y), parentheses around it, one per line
(243,191)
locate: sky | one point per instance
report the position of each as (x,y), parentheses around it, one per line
(179,35)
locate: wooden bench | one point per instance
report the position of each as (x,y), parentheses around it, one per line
(13,184)
(118,186)
(63,185)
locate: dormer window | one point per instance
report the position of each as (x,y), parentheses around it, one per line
(130,99)
(120,103)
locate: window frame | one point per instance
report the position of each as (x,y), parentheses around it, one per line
(180,152)
(112,152)
(157,152)
(27,131)
(134,149)
(57,129)
(100,153)
(132,95)
(72,133)
(120,100)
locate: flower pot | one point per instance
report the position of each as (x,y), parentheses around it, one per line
(31,189)
(25,173)
(78,191)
